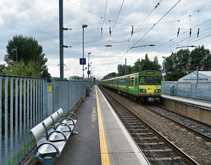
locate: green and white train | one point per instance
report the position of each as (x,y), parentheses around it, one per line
(144,86)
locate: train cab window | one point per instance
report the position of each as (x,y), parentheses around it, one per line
(150,80)
(142,80)
(157,80)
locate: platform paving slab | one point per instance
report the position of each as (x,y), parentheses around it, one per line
(83,148)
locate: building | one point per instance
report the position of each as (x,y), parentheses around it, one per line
(203,76)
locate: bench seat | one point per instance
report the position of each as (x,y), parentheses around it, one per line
(52,134)
(48,149)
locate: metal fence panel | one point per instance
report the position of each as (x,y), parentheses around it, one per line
(193,90)
(166,86)
(60,95)
(203,91)
(184,89)
(24,103)
(188,89)
(17,114)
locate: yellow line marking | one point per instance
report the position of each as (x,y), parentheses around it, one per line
(103,145)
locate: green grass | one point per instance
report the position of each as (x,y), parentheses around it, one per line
(22,150)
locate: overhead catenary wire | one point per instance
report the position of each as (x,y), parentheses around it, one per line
(172,40)
(102,29)
(188,44)
(184,33)
(139,26)
(156,23)
(113,28)
(147,32)
(97,14)
(183,39)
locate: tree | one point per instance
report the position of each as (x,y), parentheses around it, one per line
(110,75)
(146,64)
(201,58)
(29,70)
(121,69)
(28,49)
(184,62)
(3,69)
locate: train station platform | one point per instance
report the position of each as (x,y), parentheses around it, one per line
(198,102)
(102,138)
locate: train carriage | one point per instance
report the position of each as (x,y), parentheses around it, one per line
(144,86)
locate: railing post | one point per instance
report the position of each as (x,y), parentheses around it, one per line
(45,98)
(1,120)
(11,120)
(6,122)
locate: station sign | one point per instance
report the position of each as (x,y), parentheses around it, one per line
(163,72)
(82,61)
(88,72)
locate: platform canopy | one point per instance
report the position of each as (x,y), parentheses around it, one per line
(203,76)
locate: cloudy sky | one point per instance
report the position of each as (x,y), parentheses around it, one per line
(152,25)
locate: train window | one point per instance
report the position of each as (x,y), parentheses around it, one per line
(132,83)
(150,80)
(136,82)
(142,80)
(157,80)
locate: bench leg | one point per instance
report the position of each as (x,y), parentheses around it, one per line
(47,160)
(74,133)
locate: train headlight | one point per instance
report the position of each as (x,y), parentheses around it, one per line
(142,90)
(157,90)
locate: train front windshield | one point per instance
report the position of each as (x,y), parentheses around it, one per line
(150,80)
(157,80)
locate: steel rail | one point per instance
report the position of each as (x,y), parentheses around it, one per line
(190,118)
(182,125)
(173,146)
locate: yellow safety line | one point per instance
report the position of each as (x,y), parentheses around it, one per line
(103,145)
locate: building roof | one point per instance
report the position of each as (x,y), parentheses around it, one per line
(203,76)
(206,73)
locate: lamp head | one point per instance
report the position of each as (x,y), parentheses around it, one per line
(84,26)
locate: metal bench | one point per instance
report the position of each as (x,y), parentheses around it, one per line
(51,136)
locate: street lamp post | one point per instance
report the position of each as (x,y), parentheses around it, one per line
(15,49)
(88,65)
(83,26)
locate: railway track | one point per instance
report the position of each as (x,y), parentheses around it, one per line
(156,147)
(199,128)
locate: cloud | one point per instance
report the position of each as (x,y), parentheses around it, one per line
(40,19)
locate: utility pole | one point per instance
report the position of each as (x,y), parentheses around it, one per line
(61,39)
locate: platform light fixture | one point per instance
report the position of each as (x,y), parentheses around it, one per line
(83,26)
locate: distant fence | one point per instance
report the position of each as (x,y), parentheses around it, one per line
(25,102)
(188,89)
(65,94)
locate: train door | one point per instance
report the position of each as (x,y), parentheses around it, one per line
(136,85)
(127,83)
